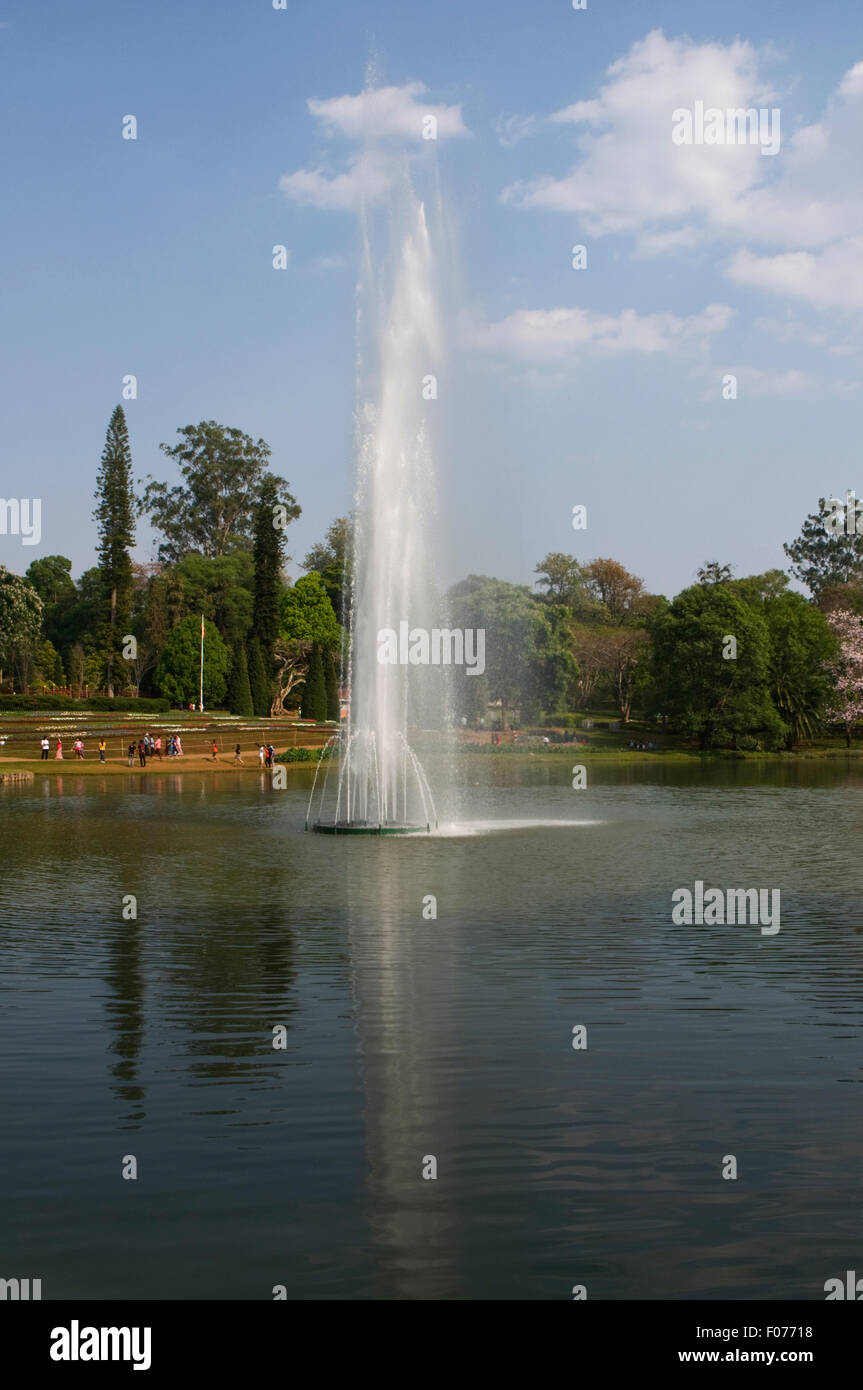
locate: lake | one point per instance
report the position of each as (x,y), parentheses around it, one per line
(410,1037)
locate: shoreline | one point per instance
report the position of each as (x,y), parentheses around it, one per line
(117,767)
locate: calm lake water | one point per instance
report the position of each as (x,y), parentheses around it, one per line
(408,1037)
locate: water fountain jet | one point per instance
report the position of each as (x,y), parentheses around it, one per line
(382,788)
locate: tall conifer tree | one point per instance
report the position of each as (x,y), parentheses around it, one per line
(268,552)
(115,516)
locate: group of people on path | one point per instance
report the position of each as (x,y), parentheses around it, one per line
(149,747)
(143,748)
(266,754)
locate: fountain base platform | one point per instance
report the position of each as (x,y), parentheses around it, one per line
(367,828)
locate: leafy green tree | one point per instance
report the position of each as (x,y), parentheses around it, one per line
(527,657)
(51,577)
(219,586)
(332,559)
(306,613)
(49,664)
(177,674)
(824,556)
(564,582)
(801,644)
(239,694)
(315,690)
(697,683)
(213,509)
(20,623)
(115,517)
(261,687)
(306,618)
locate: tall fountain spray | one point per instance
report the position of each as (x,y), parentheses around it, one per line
(380,785)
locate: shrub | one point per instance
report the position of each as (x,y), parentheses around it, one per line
(303,755)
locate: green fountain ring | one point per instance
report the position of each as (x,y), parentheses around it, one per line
(365,828)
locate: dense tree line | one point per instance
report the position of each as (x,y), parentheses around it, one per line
(130,628)
(741,662)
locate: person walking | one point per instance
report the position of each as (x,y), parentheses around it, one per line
(79,748)
(46,749)
(178,745)
(215,750)
(157,745)
(102,750)
(59,753)
(238,757)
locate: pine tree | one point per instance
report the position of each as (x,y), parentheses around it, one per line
(259,685)
(315,690)
(268,553)
(239,697)
(114,514)
(331,677)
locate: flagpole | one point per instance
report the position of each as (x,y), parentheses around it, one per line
(201,690)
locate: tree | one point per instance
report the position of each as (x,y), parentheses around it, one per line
(825,556)
(699,680)
(261,688)
(219,586)
(565,583)
(801,644)
(306,618)
(616,589)
(268,551)
(331,678)
(332,559)
(239,693)
(115,517)
(846,704)
(711,572)
(306,613)
(20,623)
(51,577)
(315,691)
(213,510)
(527,656)
(49,664)
(178,671)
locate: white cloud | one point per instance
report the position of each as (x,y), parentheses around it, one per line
(630,178)
(548,335)
(830,279)
(368,179)
(384,112)
(372,119)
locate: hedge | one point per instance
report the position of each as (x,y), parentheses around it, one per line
(102,704)
(302,755)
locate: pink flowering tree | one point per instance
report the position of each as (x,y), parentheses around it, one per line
(846,705)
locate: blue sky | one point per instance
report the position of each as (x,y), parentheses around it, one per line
(600,386)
